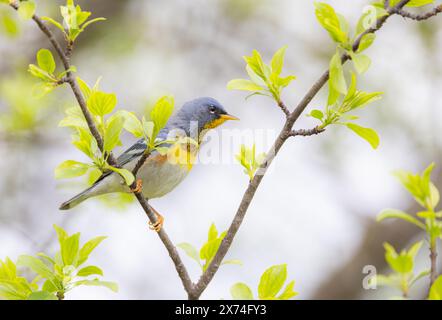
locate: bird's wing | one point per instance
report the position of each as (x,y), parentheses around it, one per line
(135,151)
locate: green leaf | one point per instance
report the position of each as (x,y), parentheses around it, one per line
(46,61)
(256,64)
(337,78)
(148,129)
(110,285)
(272,281)
(101,103)
(40,73)
(333,95)
(132,124)
(392,213)
(71,169)
(87,24)
(49,287)
(61,233)
(421,275)
(70,250)
(232,261)
(49,261)
(39,268)
(434,195)
(114,126)
(330,21)
(85,89)
(190,250)
(366,42)
(26,9)
(412,252)
(241,291)
(126,174)
(55,23)
(213,233)
(277,61)
(89,270)
(436,290)
(288,292)
(361,62)
(317,114)
(42,295)
(367,134)
(245,85)
(401,263)
(74,119)
(87,249)
(419,186)
(39,90)
(9,24)
(161,113)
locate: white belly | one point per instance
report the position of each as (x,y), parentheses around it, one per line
(161,178)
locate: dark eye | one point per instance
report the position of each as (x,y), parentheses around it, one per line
(212,109)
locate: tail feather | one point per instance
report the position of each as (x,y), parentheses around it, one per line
(79,198)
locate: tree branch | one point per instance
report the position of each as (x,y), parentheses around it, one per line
(284,108)
(433,259)
(306,132)
(208,275)
(419,17)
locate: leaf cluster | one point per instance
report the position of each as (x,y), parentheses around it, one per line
(54,276)
(269,288)
(208,250)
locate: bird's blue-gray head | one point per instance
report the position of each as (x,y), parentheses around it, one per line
(201,113)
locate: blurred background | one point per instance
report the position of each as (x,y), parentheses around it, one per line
(316,208)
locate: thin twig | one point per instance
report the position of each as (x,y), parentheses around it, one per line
(249,194)
(284,108)
(306,132)
(419,17)
(171,249)
(433,259)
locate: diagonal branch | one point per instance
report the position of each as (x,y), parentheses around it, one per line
(284,108)
(306,132)
(419,17)
(208,275)
(70,79)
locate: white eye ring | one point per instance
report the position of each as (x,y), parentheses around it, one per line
(212,109)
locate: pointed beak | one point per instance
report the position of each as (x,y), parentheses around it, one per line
(228,117)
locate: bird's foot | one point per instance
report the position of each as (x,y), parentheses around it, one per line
(157,225)
(138,186)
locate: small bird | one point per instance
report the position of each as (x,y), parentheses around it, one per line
(161,172)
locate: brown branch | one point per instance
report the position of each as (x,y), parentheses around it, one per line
(284,108)
(306,132)
(181,269)
(171,249)
(433,259)
(208,275)
(419,17)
